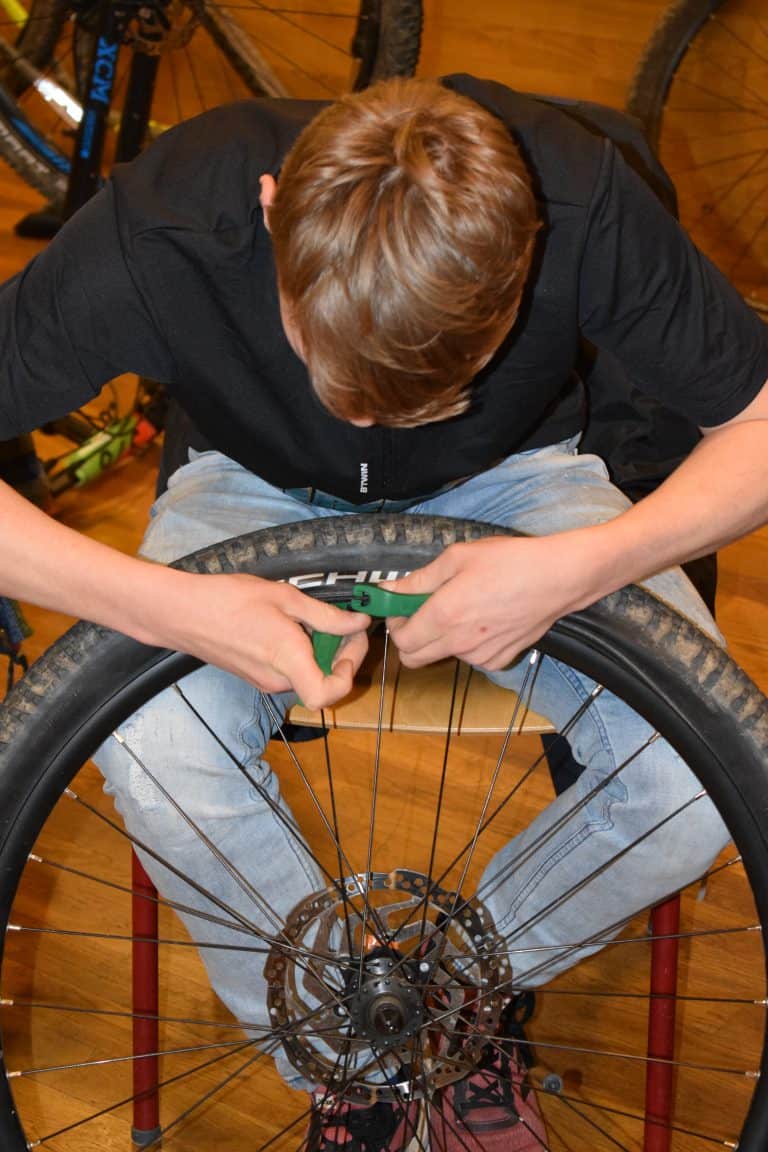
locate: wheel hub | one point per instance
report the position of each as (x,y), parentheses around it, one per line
(385,1007)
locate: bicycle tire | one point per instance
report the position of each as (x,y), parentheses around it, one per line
(42,166)
(656,661)
(660,58)
(395,51)
(696,79)
(34,42)
(389,45)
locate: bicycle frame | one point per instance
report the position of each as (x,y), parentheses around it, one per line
(85,173)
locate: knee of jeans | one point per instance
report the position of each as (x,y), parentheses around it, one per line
(599,791)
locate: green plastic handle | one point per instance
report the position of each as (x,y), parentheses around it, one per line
(373,600)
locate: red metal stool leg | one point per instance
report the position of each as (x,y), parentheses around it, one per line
(665,924)
(146,1106)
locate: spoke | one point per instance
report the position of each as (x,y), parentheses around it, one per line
(160,901)
(237,917)
(613,994)
(374,798)
(492,883)
(439,806)
(341,887)
(337,884)
(193,73)
(245,886)
(290,826)
(483,824)
(436,1102)
(600,939)
(242,882)
(240,1025)
(723,24)
(136,939)
(248,925)
(140,1095)
(612,1054)
(202,1099)
(526,693)
(539,760)
(567,1103)
(753,154)
(174,78)
(327,1095)
(579,886)
(721,867)
(518,1079)
(544,837)
(285,14)
(16,1073)
(275,51)
(639,1117)
(714,67)
(719,97)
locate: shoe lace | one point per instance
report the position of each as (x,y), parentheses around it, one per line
(360,1129)
(493,1086)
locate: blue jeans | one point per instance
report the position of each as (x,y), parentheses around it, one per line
(539,492)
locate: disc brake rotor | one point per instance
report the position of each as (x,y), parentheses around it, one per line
(386,986)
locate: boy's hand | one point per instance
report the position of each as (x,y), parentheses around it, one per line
(257,629)
(490,599)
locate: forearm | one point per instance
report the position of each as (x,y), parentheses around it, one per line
(717,495)
(255,628)
(45,563)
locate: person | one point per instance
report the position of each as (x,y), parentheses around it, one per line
(378,304)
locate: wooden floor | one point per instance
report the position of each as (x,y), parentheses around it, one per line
(560,47)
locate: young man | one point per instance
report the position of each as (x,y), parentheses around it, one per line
(378,305)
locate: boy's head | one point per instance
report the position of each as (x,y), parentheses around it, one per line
(403,225)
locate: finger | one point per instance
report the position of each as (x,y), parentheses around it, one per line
(316,689)
(322,617)
(426,653)
(353,649)
(425,579)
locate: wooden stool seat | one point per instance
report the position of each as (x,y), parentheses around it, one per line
(420,700)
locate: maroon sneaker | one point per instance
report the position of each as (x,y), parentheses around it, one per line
(494,1109)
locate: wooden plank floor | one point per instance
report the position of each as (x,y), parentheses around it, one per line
(561,47)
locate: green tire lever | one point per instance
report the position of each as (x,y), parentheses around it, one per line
(372,600)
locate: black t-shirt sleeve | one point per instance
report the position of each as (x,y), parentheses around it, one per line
(649,296)
(71,321)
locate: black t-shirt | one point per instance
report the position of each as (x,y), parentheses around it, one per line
(168,272)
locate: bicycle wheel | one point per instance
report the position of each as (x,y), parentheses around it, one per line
(208,55)
(400,831)
(698,93)
(28,35)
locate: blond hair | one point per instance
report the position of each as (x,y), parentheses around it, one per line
(403,226)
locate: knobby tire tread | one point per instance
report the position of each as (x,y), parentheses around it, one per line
(660,58)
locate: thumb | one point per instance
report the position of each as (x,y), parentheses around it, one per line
(322,617)
(422,580)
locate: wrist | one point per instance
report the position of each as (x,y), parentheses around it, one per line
(159,602)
